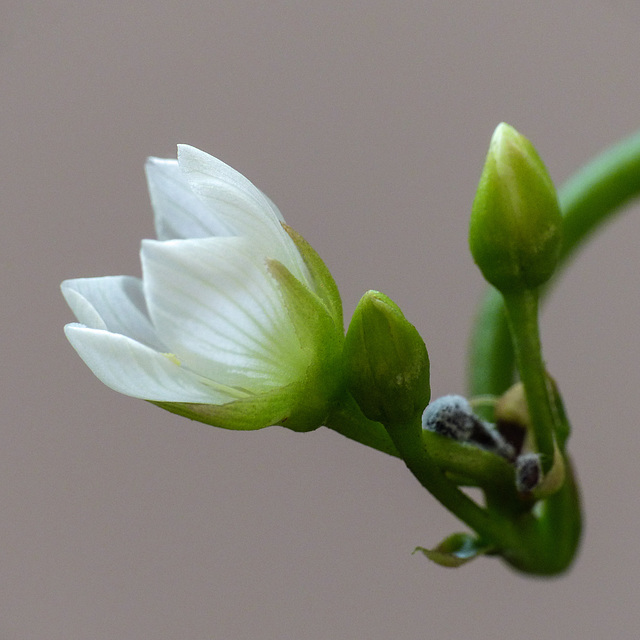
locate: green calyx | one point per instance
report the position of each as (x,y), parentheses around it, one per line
(385,362)
(515,228)
(305,403)
(321,339)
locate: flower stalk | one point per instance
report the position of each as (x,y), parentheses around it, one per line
(522,315)
(413,449)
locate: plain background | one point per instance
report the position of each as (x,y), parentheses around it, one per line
(367,122)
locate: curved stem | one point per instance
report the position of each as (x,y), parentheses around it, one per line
(522,314)
(492,529)
(477,466)
(587,200)
(347,418)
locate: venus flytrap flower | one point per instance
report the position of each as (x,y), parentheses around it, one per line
(236,321)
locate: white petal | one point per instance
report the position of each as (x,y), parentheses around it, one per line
(136,370)
(203,170)
(216,306)
(113,303)
(178,211)
(240,206)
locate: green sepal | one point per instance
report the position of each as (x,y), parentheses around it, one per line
(324,284)
(322,340)
(455,550)
(468,465)
(304,404)
(246,414)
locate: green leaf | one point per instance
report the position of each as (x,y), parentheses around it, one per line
(456,550)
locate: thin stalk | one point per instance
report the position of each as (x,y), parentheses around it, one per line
(491,529)
(347,418)
(476,466)
(522,315)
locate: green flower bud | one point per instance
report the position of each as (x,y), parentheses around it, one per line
(515,230)
(386,362)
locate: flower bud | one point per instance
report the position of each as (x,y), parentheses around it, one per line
(452,416)
(515,229)
(386,362)
(528,472)
(512,416)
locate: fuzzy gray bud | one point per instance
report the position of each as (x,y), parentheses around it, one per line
(452,416)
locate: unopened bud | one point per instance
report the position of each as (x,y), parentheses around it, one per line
(515,229)
(528,472)
(452,416)
(386,362)
(512,418)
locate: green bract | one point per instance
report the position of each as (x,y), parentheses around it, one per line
(515,230)
(386,362)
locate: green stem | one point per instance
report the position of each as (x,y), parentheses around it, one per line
(491,529)
(347,418)
(562,524)
(587,200)
(522,315)
(477,466)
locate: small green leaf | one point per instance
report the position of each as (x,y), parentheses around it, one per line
(454,551)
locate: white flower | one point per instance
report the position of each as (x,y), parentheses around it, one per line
(236,321)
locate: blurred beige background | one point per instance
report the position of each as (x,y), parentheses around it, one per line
(367,122)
